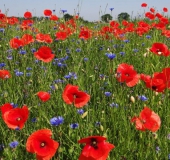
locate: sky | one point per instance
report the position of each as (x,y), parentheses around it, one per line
(90,10)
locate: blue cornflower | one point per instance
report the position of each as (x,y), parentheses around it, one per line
(122,53)
(22,52)
(34,120)
(67,51)
(9,57)
(110,55)
(126,41)
(114,105)
(148,36)
(2,65)
(97,124)
(67,76)
(78,50)
(107,94)
(13,144)
(19,73)
(9,50)
(59,81)
(2,30)
(14,105)
(86,59)
(143,98)
(56,121)
(28,68)
(36,61)
(135,50)
(102,76)
(63,10)
(33,50)
(74,125)
(73,74)
(28,74)
(157,149)
(143,44)
(80,111)
(111,9)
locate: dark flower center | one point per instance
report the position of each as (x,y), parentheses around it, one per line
(127,74)
(18,119)
(154,87)
(94,143)
(42,144)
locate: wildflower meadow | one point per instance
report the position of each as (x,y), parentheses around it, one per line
(85,91)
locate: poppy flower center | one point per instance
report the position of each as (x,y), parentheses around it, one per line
(127,74)
(18,119)
(76,96)
(94,143)
(42,144)
(159,51)
(143,121)
(154,87)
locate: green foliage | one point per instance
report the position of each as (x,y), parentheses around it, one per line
(115,122)
(123,16)
(106,17)
(67,16)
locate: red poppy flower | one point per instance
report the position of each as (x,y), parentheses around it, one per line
(47,12)
(16,43)
(156,83)
(44,54)
(53,18)
(28,15)
(43,96)
(14,117)
(147,120)
(95,149)
(42,145)
(4,74)
(71,95)
(127,74)
(150,15)
(5,108)
(27,39)
(152,10)
(44,38)
(166,72)
(158,15)
(85,34)
(160,49)
(27,22)
(143,5)
(61,35)
(12,20)
(165,9)
(2,16)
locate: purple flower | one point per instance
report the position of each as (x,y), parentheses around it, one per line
(110,55)
(74,125)
(56,121)
(107,94)
(143,98)
(13,144)
(111,9)
(80,111)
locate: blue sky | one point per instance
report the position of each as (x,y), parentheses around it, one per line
(90,10)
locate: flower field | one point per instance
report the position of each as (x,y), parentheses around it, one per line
(74,91)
